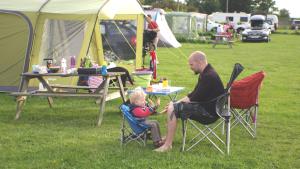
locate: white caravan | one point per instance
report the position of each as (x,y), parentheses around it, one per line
(273,19)
(240,21)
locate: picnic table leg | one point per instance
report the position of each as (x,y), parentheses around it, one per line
(49,88)
(214,43)
(102,101)
(45,84)
(21,99)
(122,92)
(50,101)
(20,102)
(217,41)
(230,44)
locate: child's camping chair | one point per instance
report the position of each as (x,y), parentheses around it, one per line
(244,101)
(135,129)
(209,131)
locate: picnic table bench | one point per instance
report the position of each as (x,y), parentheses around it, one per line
(102,92)
(222,39)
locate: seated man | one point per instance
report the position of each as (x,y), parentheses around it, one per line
(209,86)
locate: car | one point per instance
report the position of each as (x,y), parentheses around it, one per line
(259,30)
(295,24)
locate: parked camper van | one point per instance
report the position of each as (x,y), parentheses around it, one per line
(240,21)
(259,30)
(270,25)
(274,20)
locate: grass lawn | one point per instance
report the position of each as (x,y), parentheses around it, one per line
(66,136)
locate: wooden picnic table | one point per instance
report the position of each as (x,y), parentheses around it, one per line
(101,92)
(222,39)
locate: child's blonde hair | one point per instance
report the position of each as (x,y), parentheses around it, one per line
(136,95)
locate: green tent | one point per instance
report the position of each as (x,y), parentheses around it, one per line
(183,25)
(32,30)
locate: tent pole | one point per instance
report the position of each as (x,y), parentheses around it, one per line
(96,21)
(37,19)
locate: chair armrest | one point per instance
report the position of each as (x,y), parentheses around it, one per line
(212,100)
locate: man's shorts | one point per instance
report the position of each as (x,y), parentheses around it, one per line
(195,112)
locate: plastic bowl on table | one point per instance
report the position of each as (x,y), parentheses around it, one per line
(54,69)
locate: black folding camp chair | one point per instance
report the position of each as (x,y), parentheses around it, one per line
(133,129)
(209,131)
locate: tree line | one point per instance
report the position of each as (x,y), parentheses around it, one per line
(210,6)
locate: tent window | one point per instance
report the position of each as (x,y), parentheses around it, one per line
(244,19)
(61,39)
(119,38)
(229,18)
(180,24)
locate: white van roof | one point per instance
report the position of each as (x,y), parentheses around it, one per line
(258,17)
(274,18)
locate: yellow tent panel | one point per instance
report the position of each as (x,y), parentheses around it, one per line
(33,30)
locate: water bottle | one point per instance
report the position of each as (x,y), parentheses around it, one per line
(63,65)
(73,62)
(104,68)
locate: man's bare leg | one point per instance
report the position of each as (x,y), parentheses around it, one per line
(171,130)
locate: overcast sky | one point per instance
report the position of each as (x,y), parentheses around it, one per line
(293,6)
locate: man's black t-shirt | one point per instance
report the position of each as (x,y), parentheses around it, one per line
(209,86)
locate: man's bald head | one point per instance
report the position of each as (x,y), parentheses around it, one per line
(197,61)
(198,56)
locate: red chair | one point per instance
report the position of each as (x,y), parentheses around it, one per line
(244,101)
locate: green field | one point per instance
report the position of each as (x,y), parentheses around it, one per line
(66,136)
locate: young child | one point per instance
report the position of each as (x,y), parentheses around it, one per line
(141,109)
